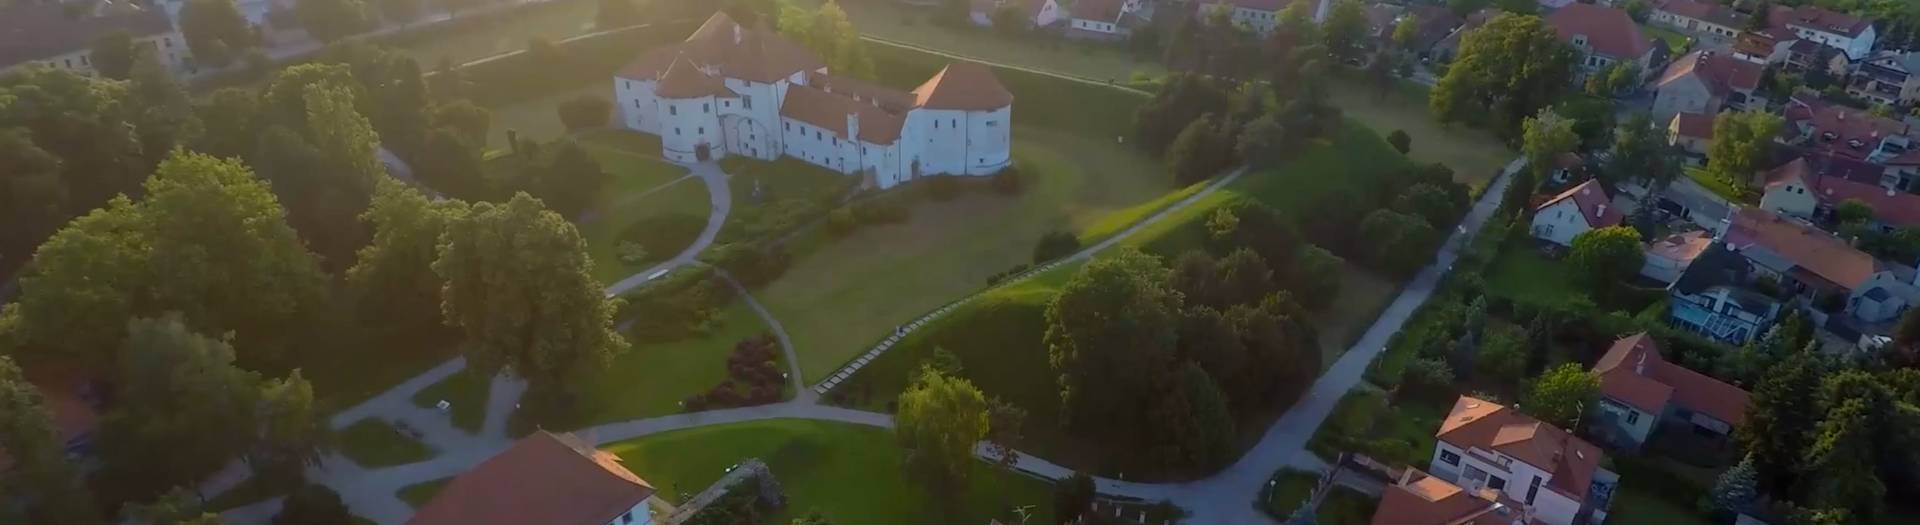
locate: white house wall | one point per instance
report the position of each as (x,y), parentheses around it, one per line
(639,109)
(1559,223)
(170,47)
(685,125)
(1550,507)
(1685,95)
(1790,198)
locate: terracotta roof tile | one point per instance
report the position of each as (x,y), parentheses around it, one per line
(543,478)
(963,86)
(1816,18)
(1894,207)
(1422,499)
(1633,372)
(1681,246)
(1609,31)
(1817,119)
(829,111)
(683,80)
(1693,125)
(1476,423)
(1808,248)
(1722,74)
(1593,202)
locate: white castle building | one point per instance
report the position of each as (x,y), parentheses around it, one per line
(734,90)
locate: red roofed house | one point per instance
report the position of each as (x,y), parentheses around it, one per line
(1420,499)
(1849,134)
(1572,212)
(1259,15)
(1553,474)
(1038,13)
(1639,390)
(1604,36)
(544,478)
(1706,83)
(1798,190)
(1851,35)
(1700,18)
(1692,133)
(748,91)
(1104,19)
(1818,267)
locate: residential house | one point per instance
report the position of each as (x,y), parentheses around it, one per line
(1703,19)
(733,90)
(1640,390)
(1796,189)
(1417,498)
(1038,13)
(1557,476)
(1259,15)
(1851,35)
(60,35)
(1714,296)
(1844,132)
(1771,46)
(1449,46)
(543,478)
(1891,77)
(1604,36)
(1706,82)
(1574,211)
(1823,271)
(1667,257)
(1103,19)
(1432,23)
(1693,134)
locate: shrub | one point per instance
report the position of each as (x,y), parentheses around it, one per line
(1400,141)
(753,377)
(585,111)
(754,265)
(1010,272)
(661,236)
(1055,244)
(684,305)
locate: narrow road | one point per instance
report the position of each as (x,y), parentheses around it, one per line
(721,198)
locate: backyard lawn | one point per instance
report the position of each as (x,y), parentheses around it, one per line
(1676,42)
(1718,186)
(538,117)
(849,473)
(1520,273)
(1342,506)
(419,494)
(466,391)
(556,21)
(641,190)
(651,379)
(1398,432)
(374,443)
(1631,505)
(1474,154)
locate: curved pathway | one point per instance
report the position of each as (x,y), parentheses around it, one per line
(721,197)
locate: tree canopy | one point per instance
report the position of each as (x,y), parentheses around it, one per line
(1560,394)
(939,420)
(1514,65)
(215,30)
(1740,143)
(1111,328)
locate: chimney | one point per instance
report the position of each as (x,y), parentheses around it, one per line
(1640,366)
(1601,211)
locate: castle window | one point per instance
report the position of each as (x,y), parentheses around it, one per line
(955,123)
(726,103)
(993,124)
(936,124)
(636,103)
(746,101)
(788,126)
(701,130)
(673,110)
(706,107)
(676,132)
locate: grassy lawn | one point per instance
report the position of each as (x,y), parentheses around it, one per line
(374,443)
(849,473)
(500,35)
(1522,274)
(836,300)
(1474,154)
(651,379)
(1365,421)
(907,23)
(1632,505)
(419,494)
(1726,190)
(1342,506)
(642,189)
(1676,42)
(537,118)
(466,391)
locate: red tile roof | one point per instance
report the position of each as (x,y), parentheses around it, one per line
(1816,252)
(1693,125)
(1633,372)
(1832,128)
(1812,17)
(1722,74)
(543,478)
(1476,423)
(1893,207)
(1421,499)
(1102,10)
(829,111)
(757,54)
(963,86)
(683,80)
(1593,202)
(1609,31)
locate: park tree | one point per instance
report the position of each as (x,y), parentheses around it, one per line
(293,432)
(1503,355)
(1073,498)
(570,182)
(1514,65)
(389,92)
(1400,141)
(1054,245)
(160,110)
(40,478)
(229,124)
(521,289)
(215,30)
(112,54)
(1430,202)
(1315,279)
(1560,394)
(472,121)
(1193,429)
(1264,143)
(1642,154)
(1405,31)
(1740,143)
(1203,149)
(451,165)
(313,505)
(827,31)
(1607,256)
(176,391)
(35,203)
(177,506)
(206,240)
(284,101)
(86,124)
(1544,137)
(1180,101)
(1841,463)
(1737,487)
(1344,32)
(332,20)
(1781,418)
(1111,327)
(939,420)
(1396,236)
(393,279)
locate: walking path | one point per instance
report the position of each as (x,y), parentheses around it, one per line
(721,197)
(1224,498)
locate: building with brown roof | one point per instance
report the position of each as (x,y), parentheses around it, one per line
(1797,189)
(1604,36)
(734,90)
(547,479)
(1851,35)
(1890,77)
(1555,475)
(60,35)
(1037,13)
(1699,18)
(1823,268)
(1692,133)
(1820,126)
(1421,499)
(1640,390)
(1707,83)
(1583,207)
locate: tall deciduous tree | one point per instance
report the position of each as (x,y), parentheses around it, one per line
(472,121)
(520,286)
(1607,256)
(939,420)
(1111,328)
(1544,137)
(1740,143)
(1192,429)
(293,432)
(1642,153)
(162,114)
(40,477)
(112,54)
(827,31)
(229,124)
(1344,32)
(393,280)
(1514,65)
(215,30)
(1780,419)
(83,121)
(177,392)
(1559,395)
(35,197)
(206,240)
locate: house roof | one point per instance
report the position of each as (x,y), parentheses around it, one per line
(729,49)
(1893,207)
(1031,8)
(1756,44)
(1634,372)
(40,30)
(543,478)
(1421,499)
(1101,10)
(1693,125)
(1721,74)
(1259,5)
(1714,266)
(1593,203)
(1819,19)
(1706,11)
(1816,252)
(963,86)
(1609,31)
(683,80)
(1685,246)
(891,99)
(1905,61)
(829,111)
(1833,128)
(1477,423)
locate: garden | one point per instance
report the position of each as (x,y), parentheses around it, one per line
(1289,489)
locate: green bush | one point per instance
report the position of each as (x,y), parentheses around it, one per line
(685,304)
(661,236)
(1054,245)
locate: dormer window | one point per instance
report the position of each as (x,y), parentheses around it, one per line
(1580,40)
(1856,143)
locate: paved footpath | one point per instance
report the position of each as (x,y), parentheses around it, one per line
(1225,498)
